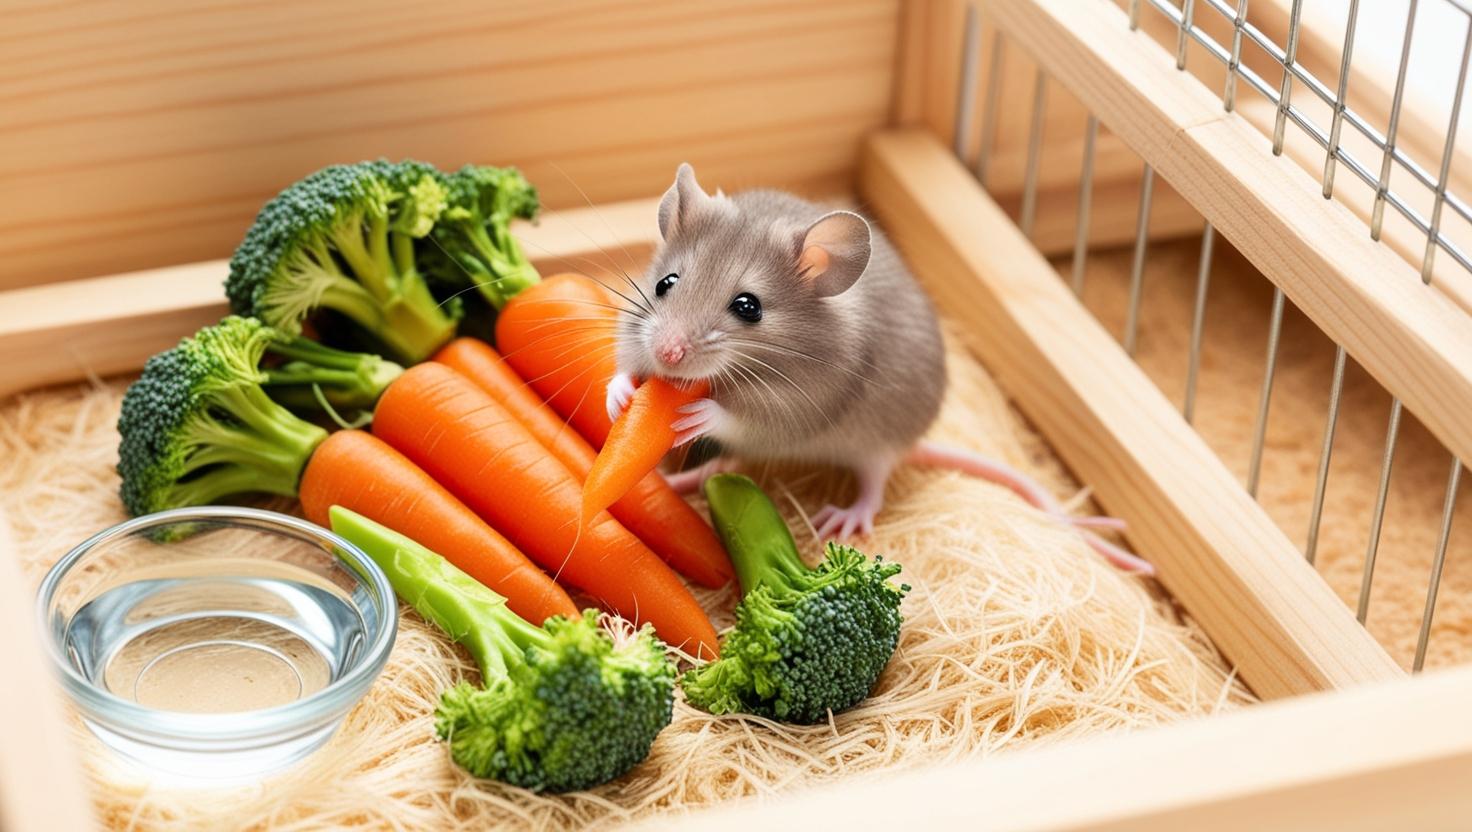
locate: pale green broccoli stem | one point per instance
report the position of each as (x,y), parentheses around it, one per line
(346,379)
(265,452)
(391,298)
(509,272)
(470,612)
(759,543)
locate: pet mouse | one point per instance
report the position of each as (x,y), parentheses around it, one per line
(816,342)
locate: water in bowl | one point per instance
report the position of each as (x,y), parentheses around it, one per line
(244,636)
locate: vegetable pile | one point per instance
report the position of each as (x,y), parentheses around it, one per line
(493,483)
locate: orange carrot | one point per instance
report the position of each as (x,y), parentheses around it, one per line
(357,471)
(651,510)
(473,446)
(558,335)
(638,441)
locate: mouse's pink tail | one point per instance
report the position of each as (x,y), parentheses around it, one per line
(936,455)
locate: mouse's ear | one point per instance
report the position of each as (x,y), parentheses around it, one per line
(833,252)
(681,201)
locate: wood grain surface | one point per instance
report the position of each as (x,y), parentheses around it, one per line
(148,133)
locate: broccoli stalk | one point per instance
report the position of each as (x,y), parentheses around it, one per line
(563,706)
(807,641)
(197,425)
(343,239)
(307,370)
(472,244)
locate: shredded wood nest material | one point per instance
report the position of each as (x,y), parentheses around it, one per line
(1015,634)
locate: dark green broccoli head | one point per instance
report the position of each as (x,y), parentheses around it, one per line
(196,426)
(807,645)
(576,711)
(472,245)
(343,239)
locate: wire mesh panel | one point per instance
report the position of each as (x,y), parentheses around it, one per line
(1316,110)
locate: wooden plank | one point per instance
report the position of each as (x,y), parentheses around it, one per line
(100,326)
(41,783)
(143,134)
(1216,550)
(1385,756)
(1414,341)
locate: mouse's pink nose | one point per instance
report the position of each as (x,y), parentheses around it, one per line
(671,350)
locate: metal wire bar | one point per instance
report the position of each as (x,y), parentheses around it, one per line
(1285,92)
(1278,55)
(1321,90)
(1229,91)
(1434,236)
(1034,154)
(1321,481)
(966,89)
(1134,14)
(1188,7)
(1085,199)
(1382,185)
(1331,157)
(1378,518)
(1264,405)
(989,110)
(1447,512)
(1198,321)
(1137,267)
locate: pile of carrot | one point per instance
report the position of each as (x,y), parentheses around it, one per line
(484,460)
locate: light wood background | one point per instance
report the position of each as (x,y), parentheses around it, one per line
(147,133)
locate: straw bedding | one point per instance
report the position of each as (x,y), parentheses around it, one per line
(1016,634)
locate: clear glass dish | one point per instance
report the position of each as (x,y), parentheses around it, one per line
(216,642)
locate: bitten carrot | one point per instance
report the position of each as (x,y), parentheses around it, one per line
(651,509)
(638,441)
(473,446)
(559,336)
(359,472)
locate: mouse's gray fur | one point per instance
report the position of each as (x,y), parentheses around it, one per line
(853,379)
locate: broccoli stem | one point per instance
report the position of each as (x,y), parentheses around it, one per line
(347,379)
(759,543)
(507,272)
(470,612)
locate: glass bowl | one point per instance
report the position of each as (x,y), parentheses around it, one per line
(216,642)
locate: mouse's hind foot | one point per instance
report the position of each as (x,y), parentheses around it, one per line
(858,519)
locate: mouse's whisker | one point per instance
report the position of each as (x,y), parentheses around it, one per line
(599,214)
(579,341)
(795,386)
(817,409)
(590,264)
(809,356)
(638,312)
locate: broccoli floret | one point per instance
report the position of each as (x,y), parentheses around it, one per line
(197,425)
(472,244)
(344,239)
(561,707)
(807,641)
(302,369)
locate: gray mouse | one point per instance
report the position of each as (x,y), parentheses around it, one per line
(817,344)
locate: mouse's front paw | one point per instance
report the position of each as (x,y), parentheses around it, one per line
(700,418)
(620,392)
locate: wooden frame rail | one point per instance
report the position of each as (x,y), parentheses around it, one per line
(95,327)
(1215,548)
(1414,341)
(1385,756)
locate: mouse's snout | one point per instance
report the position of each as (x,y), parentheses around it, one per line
(671,348)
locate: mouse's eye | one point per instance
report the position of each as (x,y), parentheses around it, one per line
(746,307)
(665,284)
